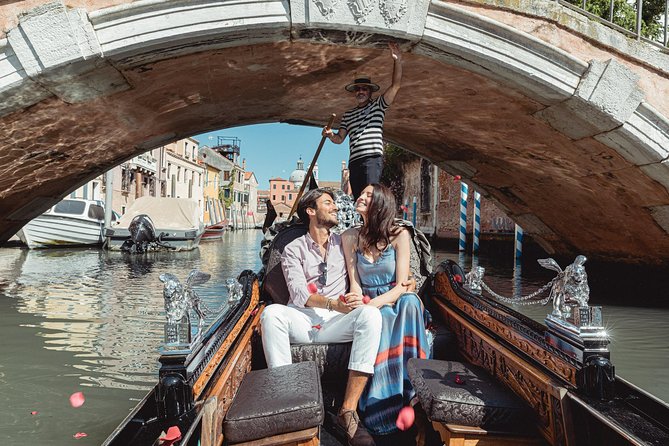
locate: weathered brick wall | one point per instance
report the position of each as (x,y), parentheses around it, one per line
(493,220)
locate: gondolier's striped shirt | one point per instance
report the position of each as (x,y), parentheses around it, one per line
(364,127)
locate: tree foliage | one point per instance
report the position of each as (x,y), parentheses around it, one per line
(624,14)
(230,187)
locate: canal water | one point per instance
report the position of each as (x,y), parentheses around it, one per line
(92,321)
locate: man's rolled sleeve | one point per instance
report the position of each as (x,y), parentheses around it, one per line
(293,272)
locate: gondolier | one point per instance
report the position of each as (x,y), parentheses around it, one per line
(364,126)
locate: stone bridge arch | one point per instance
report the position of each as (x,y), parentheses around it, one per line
(560,120)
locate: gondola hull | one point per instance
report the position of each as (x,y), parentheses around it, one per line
(518,352)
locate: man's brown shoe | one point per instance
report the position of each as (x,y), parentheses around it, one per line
(350,424)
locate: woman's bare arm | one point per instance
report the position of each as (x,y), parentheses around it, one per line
(402,253)
(350,244)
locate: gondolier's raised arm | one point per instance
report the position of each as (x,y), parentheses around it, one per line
(391,92)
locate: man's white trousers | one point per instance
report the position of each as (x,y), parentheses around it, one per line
(283,325)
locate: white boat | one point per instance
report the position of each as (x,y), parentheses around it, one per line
(176,223)
(71,222)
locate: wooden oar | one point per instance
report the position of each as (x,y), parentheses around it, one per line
(311,169)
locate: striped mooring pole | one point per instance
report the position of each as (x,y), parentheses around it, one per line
(518,253)
(463,216)
(517,276)
(405,211)
(477,221)
(413,217)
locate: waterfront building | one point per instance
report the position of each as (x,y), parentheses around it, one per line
(215,165)
(437,196)
(184,172)
(283,193)
(251,200)
(137,177)
(263,196)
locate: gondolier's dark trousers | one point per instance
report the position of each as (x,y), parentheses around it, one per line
(364,171)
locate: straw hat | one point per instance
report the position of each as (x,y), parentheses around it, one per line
(362,80)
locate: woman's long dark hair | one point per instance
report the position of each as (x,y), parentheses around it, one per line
(379,224)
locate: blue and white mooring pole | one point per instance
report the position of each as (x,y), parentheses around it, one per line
(477,221)
(463,216)
(518,253)
(413,217)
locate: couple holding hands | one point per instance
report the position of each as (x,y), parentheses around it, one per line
(354,287)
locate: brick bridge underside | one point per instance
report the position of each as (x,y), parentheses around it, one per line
(559,120)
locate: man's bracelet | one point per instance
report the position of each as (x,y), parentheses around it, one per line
(328,304)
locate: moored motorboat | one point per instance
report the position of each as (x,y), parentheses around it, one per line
(214,232)
(71,222)
(166,223)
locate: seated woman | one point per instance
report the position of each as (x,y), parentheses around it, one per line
(377,262)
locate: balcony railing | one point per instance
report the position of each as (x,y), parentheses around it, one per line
(144,161)
(646,20)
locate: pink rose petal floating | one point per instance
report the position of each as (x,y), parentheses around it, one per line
(77,399)
(312,288)
(79,435)
(34,412)
(365,299)
(173,434)
(405,418)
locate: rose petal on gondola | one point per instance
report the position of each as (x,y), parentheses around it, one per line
(459,380)
(457,178)
(79,435)
(173,434)
(405,418)
(77,399)
(317,327)
(312,288)
(458,278)
(365,299)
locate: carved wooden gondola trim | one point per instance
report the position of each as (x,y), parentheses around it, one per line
(214,363)
(212,348)
(539,390)
(538,352)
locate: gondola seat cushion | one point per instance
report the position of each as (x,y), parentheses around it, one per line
(331,359)
(477,401)
(275,401)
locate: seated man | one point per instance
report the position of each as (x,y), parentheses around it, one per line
(315,273)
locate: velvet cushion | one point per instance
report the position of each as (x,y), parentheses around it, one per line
(275,401)
(331,359)
(480,402)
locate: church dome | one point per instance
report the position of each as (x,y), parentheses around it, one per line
(298,175)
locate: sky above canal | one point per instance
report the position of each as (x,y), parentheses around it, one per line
(272,150)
